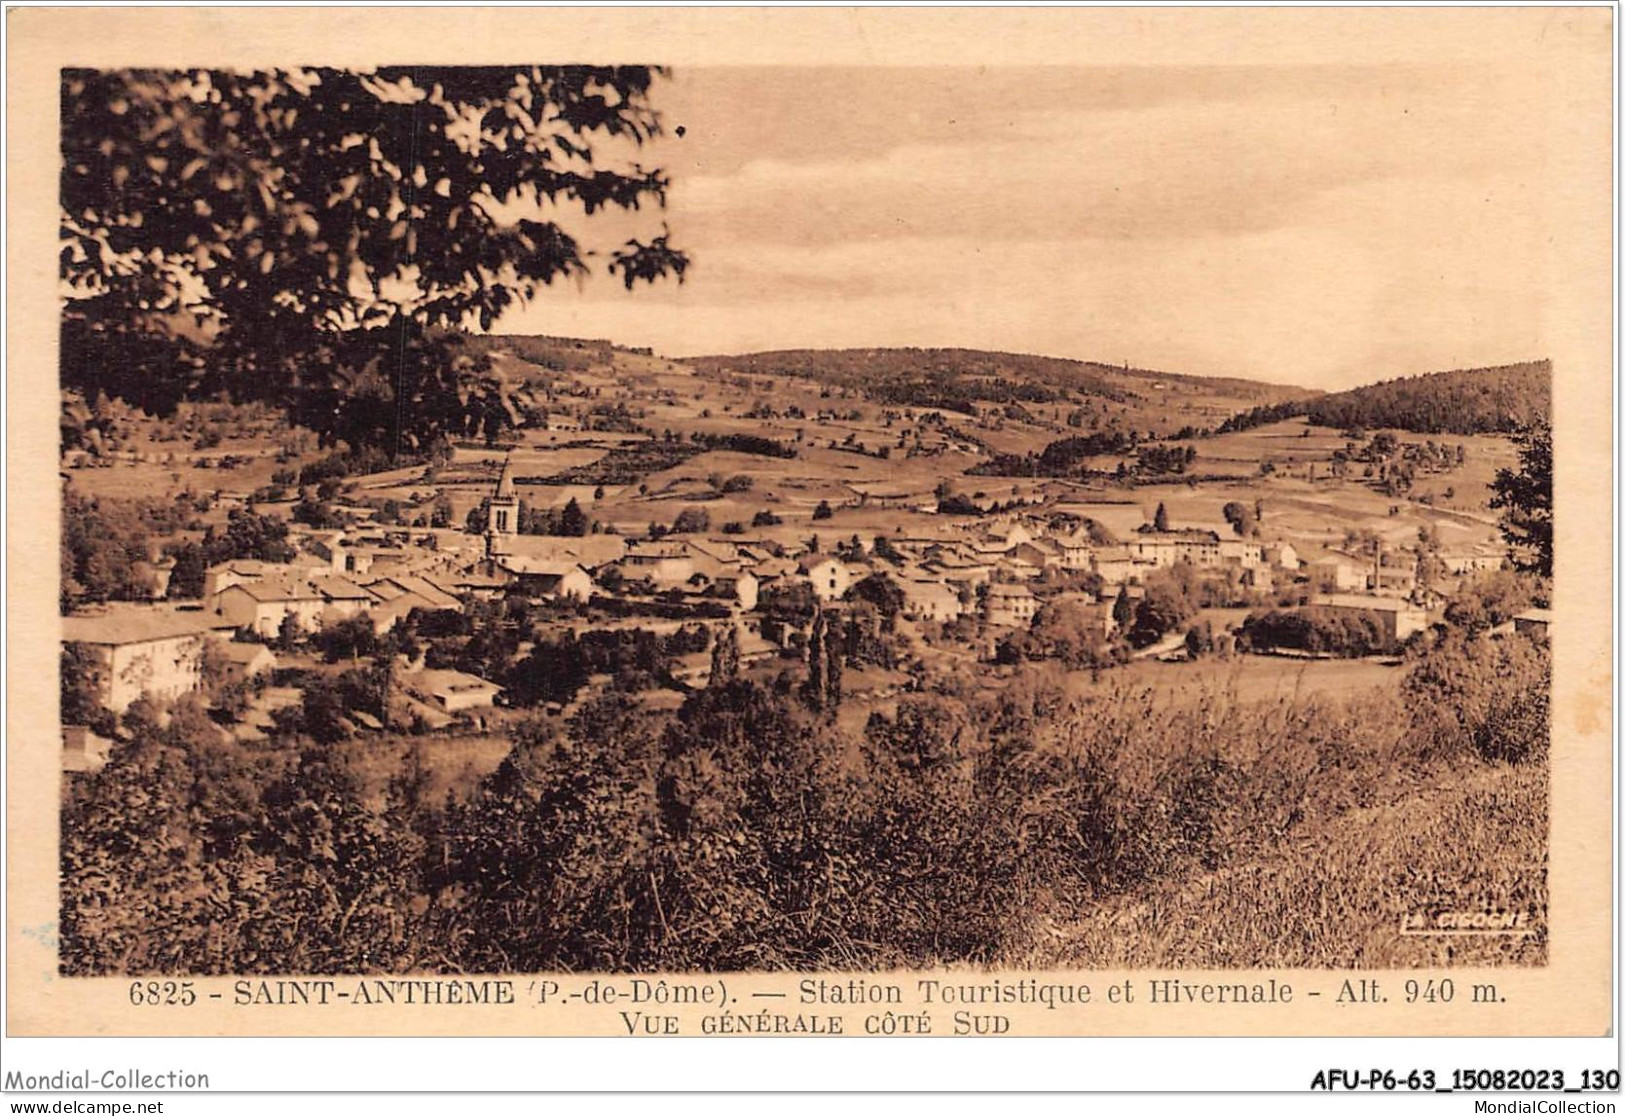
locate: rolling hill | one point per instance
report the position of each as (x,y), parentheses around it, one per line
(964,380)
(1464,401)
(1494,400)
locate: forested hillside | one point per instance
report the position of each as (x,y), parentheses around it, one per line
(1464,401)
(953,378)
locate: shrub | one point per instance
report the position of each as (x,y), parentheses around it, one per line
(1483,695)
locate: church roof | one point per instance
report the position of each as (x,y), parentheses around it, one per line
(505,480)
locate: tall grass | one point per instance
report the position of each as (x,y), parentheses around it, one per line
(747,832)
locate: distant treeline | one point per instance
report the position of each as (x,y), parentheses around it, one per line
(745,443)
(631,462)
(949,379)
(1263,416)
(1466,401)
(623,464)
(1069,457)
(1063,457)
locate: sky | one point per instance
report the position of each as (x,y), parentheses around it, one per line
(1323,226)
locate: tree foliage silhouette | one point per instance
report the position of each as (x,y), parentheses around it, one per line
(312,235)
(1524,497)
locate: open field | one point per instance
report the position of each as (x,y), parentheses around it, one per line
(1252,678)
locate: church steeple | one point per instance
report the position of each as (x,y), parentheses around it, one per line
(502,522)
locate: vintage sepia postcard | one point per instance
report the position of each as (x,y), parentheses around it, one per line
(810,522)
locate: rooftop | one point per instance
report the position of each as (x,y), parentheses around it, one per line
(119,626)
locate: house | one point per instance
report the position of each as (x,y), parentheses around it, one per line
(1394,581)
(246,661)
(741,587)
(1203,548)
(324,544)
(83,752)
(713,561)
(1258,578)
(1038,553)
(374,560)
(452,691)
(391,612)
(1115,564)
(342,599)
(262,605)
(774,569)
(1282,555)
(829,576)
(140,652)
(956,568)
(553,580)
(1010,606)
(1533,621)
(427,594)
(930,600)
(591,551)
(218,578)
(1158,551)
(1399,619)
(1338,572)
(476,582)
(1472,561)
(1002,537)
(666,564)
(1161,549)
(399,595)
(1076,551)
(1245,553)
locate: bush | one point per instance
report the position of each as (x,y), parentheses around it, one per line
(743,832)
(1482,695)
(691,521)
(1341,632)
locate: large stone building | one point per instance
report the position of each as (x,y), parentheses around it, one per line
(137,651)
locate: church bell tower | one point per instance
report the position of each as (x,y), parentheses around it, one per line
(502,523)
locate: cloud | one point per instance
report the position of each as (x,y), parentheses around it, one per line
(1152,174)
(1323,227)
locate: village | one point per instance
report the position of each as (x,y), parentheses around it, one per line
(639,521)
(922,568)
